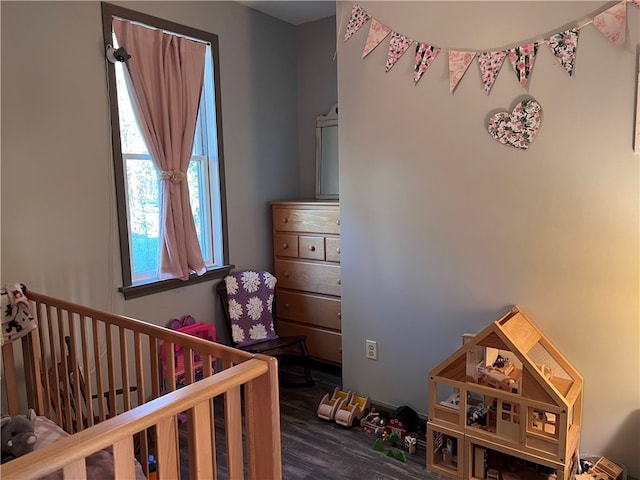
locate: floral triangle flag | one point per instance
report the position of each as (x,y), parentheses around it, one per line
(397,46)
(425,55)
(522,59)
(564,45)
(358,18)
(490,64)
(377,33)
(458,64)
(612,23)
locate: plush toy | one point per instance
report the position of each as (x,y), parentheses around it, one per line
(18,435)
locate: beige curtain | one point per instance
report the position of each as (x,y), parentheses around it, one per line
(166,75)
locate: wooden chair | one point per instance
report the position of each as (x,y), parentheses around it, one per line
(78,408)
(296,344)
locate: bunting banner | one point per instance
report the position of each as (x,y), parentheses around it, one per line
(377,33)
(458,64)
(610,22)
(564,45)
(425,55)
(397,46)
(490,64)
(358,18)
(522,59)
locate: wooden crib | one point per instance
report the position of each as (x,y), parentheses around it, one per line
(98,376)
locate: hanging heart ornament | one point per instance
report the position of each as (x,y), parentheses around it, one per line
(518,128)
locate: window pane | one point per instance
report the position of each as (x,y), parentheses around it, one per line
(144,214)
(130,137)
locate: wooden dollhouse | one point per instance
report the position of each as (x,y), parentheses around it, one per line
(506,405)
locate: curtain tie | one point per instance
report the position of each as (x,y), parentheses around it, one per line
(175,176)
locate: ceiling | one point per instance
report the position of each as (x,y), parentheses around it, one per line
(293,11)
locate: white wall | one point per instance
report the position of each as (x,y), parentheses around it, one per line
(59,230)
(444,229)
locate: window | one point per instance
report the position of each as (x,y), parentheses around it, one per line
(138,184)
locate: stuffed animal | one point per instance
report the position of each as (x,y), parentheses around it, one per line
(18,435)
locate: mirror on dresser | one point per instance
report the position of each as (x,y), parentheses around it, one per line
(327,155)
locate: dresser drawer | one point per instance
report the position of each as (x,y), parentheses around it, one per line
(322,344)
(307,276)
(308,221)
(309,309)
(285,245)
(332,246)
(311,248)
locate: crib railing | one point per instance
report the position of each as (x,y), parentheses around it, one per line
(98,376)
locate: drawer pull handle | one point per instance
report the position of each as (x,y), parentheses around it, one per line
(285,220)
(285,245)
(312,248)
(286,275)
(286,306)
(338,250)
(338,222)
(339,282)
(339,314)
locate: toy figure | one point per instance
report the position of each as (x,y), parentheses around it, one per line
(18,435)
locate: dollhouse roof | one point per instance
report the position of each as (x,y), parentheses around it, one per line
(547,376)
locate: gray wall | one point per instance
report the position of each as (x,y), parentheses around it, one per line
(317,91)
(443,229)
(59,229)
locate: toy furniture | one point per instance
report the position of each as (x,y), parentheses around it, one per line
(306,253)
(273,344)
(115,352)
(506,397)
(329,405)
(351,411)
(201,330)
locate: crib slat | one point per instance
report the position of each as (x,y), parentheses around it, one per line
(155,369)
(111,400)
(63,372)
(124,367)
(167,442)
(169,367)
(42,325)
(137,345)
(85,363)
(123,459)
(99,379)
(10,374)
(33,373)
(233,431)
(200,446)
(76,470)
(53,372)
(77,405)
(188,366)
(262,415)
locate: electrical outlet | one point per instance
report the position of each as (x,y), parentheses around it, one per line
(372,349)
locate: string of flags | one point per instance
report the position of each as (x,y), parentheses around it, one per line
(611,23)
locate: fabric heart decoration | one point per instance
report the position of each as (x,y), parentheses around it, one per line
(518,128)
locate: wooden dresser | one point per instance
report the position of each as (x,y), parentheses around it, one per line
(306,249)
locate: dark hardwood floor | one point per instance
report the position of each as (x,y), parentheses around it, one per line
(316,449)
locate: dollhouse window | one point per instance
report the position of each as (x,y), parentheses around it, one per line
(543,422)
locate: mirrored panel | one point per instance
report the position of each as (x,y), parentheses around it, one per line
(327,155)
